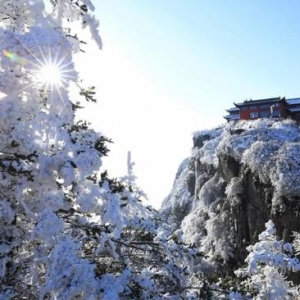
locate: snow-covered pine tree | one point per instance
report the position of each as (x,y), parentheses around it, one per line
(68,231)
(268,264)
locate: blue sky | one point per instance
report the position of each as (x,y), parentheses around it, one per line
(169,68)
(194,46)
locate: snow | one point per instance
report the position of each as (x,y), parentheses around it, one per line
(207,153)
(233,190)
(269,260)
(49,225)
(66,272)
(59,217)
(179,195)
(269,148)
(69,231)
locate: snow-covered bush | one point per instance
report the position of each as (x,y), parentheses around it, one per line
(234,190)
(268,263)
(204,226)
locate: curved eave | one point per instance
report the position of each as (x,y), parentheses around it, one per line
(233,109)
(231,117)
(239,105)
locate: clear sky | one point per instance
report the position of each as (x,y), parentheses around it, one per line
(171,67)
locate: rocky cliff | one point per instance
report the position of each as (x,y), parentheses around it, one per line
(237,178)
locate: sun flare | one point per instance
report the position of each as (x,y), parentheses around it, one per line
(51,75)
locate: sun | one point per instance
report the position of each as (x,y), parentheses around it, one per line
(50,75)
(50,72)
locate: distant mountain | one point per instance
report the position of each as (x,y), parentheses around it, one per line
(237,178)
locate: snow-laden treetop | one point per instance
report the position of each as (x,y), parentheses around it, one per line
(68,230)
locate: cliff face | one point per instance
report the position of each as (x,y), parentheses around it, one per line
(237,178)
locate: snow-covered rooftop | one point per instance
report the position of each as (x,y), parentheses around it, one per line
(233,109)
(293,101)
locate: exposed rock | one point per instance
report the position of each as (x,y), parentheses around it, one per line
(237,131)
(198,140)
(228,167)
(191,182)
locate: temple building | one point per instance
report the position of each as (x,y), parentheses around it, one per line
(265,108)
